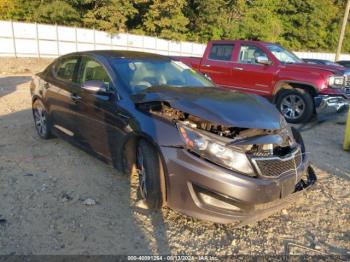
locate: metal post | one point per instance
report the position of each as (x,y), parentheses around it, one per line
(57,41)
(111,37)
(76,39)
(127,41)
(37,40)
(13,39)
(94,38)
(342,32)
(346,144)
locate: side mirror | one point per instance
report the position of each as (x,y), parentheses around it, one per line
(95,86)
(263,60)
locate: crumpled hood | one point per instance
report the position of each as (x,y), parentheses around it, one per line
(220,106)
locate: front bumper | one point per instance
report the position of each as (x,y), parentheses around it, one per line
(206,191)
(329,103)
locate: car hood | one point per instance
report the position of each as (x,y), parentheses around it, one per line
(305,66)
(220,106)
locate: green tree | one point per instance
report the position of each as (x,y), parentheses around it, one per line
(57,12)
(260,21)
(165,19)
(109,15)
(207,19)
(308,25)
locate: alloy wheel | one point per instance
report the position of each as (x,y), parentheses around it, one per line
(292,107)
(40,120)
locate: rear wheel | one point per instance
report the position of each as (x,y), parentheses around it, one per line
(296,105)
(41,120)
(149,173)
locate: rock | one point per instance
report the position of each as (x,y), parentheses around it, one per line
(66,197)
(89,202)
(284,212)
(234,242)
(317,247)
(3,221)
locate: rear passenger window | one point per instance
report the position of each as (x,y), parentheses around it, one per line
(66,68)
(221,52)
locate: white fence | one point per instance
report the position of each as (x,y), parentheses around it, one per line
(37,40)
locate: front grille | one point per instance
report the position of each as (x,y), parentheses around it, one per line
(276,166)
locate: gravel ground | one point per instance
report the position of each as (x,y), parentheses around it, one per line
(56,199)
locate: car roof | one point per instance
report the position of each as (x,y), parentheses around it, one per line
(121,54)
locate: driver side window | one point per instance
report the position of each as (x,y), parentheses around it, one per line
(93,71)
(248,54)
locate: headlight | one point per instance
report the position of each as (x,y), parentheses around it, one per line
(336,81)
(215,150)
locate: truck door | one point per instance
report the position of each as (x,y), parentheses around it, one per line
(251,77)
(217,64)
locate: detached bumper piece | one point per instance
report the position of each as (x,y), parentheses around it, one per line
(327,104)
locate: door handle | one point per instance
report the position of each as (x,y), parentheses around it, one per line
(207,65)
(75,97)
(238,68)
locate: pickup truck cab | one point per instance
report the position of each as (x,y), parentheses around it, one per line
(298,89)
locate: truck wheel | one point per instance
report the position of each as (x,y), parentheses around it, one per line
(149,170)
(296,105)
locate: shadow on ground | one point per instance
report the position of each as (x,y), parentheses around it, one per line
(8,84)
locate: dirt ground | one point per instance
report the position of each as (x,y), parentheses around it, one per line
(44,186)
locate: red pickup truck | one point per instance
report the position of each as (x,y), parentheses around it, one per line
(299,90)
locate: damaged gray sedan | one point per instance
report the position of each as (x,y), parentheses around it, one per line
(207,152)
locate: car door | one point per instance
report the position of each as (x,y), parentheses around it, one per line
(218,64)
(250,76)
(102,126)
(61,88)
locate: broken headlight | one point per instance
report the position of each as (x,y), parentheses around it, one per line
(215,150)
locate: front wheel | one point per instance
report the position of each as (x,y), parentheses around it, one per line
(296,105)
(41,120)
(150,175)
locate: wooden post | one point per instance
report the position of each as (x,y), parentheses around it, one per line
(342,32)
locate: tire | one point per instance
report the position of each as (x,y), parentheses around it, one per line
(150,174)
(296,105)
(41,120)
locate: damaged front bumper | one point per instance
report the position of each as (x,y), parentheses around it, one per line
(329,104)
(206,191)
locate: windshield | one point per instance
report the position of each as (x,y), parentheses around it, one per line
(139,75)
(283,55)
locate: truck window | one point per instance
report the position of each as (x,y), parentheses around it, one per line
(221,52)
(249,53)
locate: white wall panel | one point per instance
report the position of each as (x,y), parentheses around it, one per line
(47,32)
(72,39)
